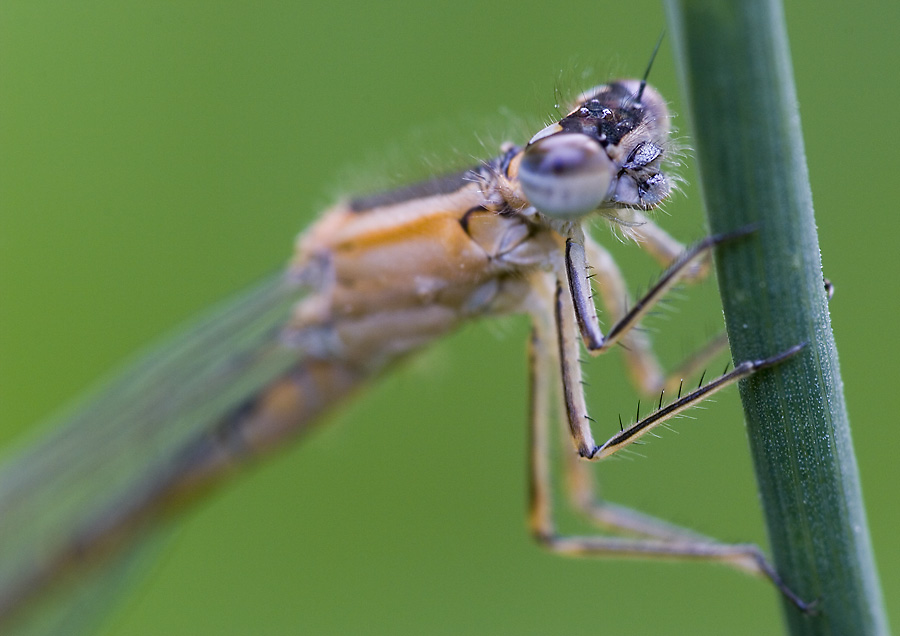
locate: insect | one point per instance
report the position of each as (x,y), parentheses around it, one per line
(373,281)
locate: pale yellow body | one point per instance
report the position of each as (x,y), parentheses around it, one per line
(385,281)
(389,280)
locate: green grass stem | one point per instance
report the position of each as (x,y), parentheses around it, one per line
(735,70)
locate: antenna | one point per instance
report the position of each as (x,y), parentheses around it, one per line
(640,92)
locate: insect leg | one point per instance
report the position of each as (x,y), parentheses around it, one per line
(570,370)
(645,370)
(660,244)
(542,394)
(640,428)
(577,295)
(658,539)
(646,373)
(586,314)
(746,557)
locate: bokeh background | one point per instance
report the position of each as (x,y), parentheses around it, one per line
(159,156)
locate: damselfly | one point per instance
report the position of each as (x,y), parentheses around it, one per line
(373,281)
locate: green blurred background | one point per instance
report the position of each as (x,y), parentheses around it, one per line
(158,156)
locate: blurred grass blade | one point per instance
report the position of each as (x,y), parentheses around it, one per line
(736,73)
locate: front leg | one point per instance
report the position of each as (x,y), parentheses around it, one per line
(578,281)
(573,300)
(573,292)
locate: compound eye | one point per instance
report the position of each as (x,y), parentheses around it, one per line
(566,176)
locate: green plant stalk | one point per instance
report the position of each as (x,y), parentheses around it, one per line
(736,73)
